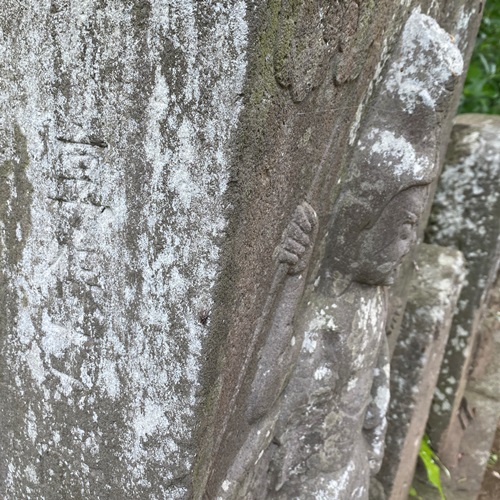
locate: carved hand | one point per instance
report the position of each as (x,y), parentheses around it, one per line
(295,248)
(277,353)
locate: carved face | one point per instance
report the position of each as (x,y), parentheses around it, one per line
(383,245)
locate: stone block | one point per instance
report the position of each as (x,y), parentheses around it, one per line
(478,417)
(416,362)
(480,408)
(466,215)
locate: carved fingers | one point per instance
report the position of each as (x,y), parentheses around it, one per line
(297,242)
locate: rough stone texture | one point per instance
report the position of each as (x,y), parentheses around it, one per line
(298,136)
(466,15)
(479,416)
(416,361)
(324,436)
(480,410)
(490,488)
(116,124)
(153,155)
(466,215)
(331,429)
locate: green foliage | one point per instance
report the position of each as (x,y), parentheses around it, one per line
(433,468)
(482,87)
(429,460)
(413,493)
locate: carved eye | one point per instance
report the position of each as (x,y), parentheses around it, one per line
(411,218)
(406,231)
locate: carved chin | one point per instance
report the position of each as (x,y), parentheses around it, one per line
(390,279)
(388,273)
(383,275)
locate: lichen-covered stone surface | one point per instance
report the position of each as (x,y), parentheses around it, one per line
(466,216)
(116,125)
(153,154)
(323,437)
(416,361)
(475,475)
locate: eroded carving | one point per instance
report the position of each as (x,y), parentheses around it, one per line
(330,432)
(278,354)
(318,37)
(324,437)
(279,351)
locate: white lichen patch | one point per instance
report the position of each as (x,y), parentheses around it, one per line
(382,398)
(336,489)
(462,185)
(310,341)
(369,315)
(441,404)
(31,474)
(398,154)
(351,385)
(31,425)
(460,340)
(321,319)
(57,339)
(429,59)
(462,25)
(128,116)
(322,372)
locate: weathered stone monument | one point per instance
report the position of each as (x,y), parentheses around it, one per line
(116,122)
(463,416)
(466,216)
(203,206)
(416,362)
(326,435)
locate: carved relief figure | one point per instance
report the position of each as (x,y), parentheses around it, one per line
(329,437)
(322,435)
(278,354)
(330,434)
(313,32)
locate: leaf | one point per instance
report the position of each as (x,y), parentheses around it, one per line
(433,472)
(486,64)
(482,86)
